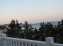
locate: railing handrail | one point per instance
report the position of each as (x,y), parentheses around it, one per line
(23,40)
(57,44)
(49,41)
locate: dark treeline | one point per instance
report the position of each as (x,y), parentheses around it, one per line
(2,27)
(45,30)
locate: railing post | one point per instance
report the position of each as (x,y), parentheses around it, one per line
(49,41)
(4,40)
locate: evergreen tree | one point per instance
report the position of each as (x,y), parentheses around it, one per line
(42,31)
(30,27)
(18,28)
(49,29)
(41,27)
(13,29)
(60,32)
(26,26)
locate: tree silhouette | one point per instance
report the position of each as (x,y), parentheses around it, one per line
(26,30)
(13,29)
(45,30)
(42,31)
(26,26)
(60,32)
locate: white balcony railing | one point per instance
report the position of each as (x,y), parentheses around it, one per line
(7,41)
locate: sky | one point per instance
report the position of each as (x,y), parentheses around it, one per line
(33,11)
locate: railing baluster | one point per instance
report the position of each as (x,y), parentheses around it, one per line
(33,44)
(9,43)
(39,45)
(16,43)
(19,43)
(29,44)
(25,44)
(13,43)
(0,43)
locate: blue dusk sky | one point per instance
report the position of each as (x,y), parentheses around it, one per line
(33,11)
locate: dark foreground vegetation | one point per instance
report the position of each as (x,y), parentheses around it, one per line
(45,30)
